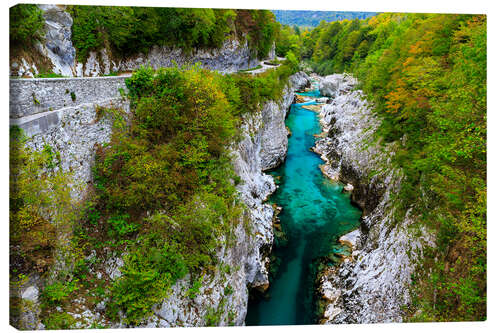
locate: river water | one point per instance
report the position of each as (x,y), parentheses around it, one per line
(315,213)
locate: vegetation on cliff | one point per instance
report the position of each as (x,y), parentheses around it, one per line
(126,31)
(426,74)
(164,184)
(40,206)
(129,30)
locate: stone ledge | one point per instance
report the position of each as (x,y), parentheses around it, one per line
(42,122)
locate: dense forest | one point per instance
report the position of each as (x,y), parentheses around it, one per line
(426,77)
(311,18)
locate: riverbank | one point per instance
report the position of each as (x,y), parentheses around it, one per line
(372,285)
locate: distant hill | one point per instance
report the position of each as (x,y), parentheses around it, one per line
(312,18)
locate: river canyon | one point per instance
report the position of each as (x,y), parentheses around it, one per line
(315,212)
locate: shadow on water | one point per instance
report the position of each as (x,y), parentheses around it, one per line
(315,213)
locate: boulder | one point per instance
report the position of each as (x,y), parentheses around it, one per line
(30,294)
(348,188)
(331,312)
(336,84)
(329,85)
(351,239)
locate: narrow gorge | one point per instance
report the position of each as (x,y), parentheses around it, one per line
(313,213)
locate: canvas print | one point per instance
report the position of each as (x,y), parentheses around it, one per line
(227,167)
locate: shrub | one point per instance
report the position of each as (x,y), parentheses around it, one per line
(59,321)
(121,226)
(58,292)
(195,288)
(40,204)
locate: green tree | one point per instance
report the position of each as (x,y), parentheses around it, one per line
(26,24)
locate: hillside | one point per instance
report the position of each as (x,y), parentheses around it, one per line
(75,40)
(311,18)
(425,75)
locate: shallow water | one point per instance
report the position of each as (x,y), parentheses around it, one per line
(315,213)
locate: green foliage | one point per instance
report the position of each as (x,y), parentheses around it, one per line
(48,75)
(259,66)
(212,317)
(35,100)
(288,39)
(151,267)
(195,288)
(293,61)
(129,30)
(426,74)
(264,32)
(228,290)
(26,24)
(121,226)
(58,292)
(248,92)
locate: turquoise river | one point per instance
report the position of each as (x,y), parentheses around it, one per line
(315,213)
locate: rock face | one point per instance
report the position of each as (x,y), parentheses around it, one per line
(58,46)
(231,57)
(275,134)
(30,294)
(243,263)
(374,282)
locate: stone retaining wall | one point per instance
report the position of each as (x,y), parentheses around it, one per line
(33,96)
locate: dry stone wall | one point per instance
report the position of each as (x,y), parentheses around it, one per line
(33,96)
